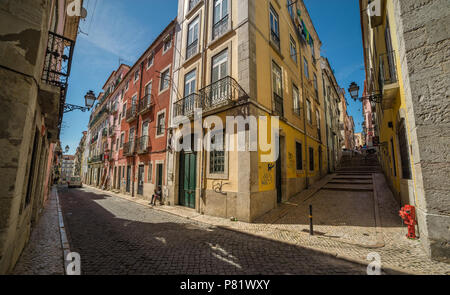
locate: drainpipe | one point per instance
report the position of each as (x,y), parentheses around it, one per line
(133,173)
(203,79)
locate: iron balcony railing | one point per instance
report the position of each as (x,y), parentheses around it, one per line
(387,70)
(192,49)
(96,159)
(58,60)
(220,27)
(274,37)
(186,106)
(131,113)
(220,93)
(143,144)
(128,148)
(279,107)
(146,104)
(111,131)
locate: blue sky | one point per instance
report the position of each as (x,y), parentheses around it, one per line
(124,29)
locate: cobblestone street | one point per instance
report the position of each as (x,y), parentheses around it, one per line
(116,236)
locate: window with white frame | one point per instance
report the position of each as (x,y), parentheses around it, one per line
(190,83)
(167,43)
(192,38)
(217,153)
(160,124)
(164,80)
(220,18)
(293,49)
(127,85)
(274,27)
(122,138)
(219,66)
(136,76)
(192,4)
(150,60)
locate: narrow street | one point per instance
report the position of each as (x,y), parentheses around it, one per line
(116,236)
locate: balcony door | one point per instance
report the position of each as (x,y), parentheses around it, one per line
(219,90)
(144,140)
(190,84)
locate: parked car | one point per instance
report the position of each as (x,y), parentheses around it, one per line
(74,181)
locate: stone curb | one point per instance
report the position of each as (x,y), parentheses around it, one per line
(62,230)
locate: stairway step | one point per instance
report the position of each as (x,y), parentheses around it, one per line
(353,177)
(351,181)
(349,187)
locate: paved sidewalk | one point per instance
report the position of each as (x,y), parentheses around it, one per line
(346,226)
(43,255)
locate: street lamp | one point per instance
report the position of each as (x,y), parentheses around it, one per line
(353,89)
(66,149)
(89,100)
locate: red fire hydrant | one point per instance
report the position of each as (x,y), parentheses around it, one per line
(408,214)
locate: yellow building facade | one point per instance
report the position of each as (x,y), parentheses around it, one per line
(404,58)
(258,60)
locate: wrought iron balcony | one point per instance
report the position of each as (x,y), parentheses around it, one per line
(146,104)
(113,108)
(192,49)
(58,60)
(131,113)
(279,107)
(186,106)
(128,148)
(96,159)
(143,144)
(220,27)
(221,93)
(387,78)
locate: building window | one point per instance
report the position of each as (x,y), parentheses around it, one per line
(277,85)
(311,159)
(219,66)
(192,4)
(394,162)
(127,85)
(274,27)
(149,172)
(164,83)
(290,5)
(161,124)
(299,156)
(189,83)
(192,38)
(220,18)
(296,99)
(122,138)
(309,111)
(150,60)
(167,43)
(305,67)
(217,155)
(136,76)
(293,49)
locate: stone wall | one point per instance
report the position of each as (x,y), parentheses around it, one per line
(424,47)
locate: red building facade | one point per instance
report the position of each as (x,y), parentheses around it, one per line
(144,119)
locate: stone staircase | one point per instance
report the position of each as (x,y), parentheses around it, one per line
(354,173)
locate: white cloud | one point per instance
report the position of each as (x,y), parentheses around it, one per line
(113,30)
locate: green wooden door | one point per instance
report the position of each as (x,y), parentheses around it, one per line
(188,162)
